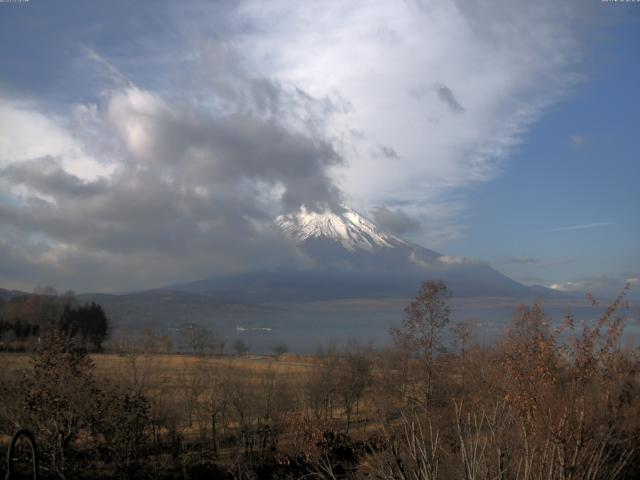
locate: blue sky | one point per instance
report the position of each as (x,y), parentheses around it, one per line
(578,167)
(504,132)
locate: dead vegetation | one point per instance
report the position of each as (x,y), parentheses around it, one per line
(544,402)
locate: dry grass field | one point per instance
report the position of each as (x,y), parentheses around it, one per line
(168,366)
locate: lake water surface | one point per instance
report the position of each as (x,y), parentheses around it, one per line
(303,327)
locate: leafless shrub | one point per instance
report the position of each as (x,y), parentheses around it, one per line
(60,399)
(410,450)
(567,397)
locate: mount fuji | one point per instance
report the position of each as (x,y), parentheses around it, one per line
(350,257)
(348,240)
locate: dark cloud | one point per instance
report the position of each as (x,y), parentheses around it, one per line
(395,221)
(198,150)
(446,95)
(192,194)
(46,176)
(388,152)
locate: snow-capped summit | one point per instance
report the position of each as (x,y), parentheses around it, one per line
(346,239)
(348,228)
(351,258)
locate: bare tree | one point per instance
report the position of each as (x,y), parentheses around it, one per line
(191,387)
(412,451)
(321,382)
(214,400)
(240,347)
(279,349)
(135,348)
(463,332)
(353,377)
(422,331)
(201,340)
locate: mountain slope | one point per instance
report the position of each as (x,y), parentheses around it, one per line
(352,258)
(346,240)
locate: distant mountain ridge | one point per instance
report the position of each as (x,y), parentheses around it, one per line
(6,295)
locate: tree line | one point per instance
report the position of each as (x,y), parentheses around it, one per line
(25,319)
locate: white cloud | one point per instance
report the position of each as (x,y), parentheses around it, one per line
(581,226)
(444,261)
(458,261)
(28,133)
(578,140)
(499,63)
(608,286)
(132,112)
